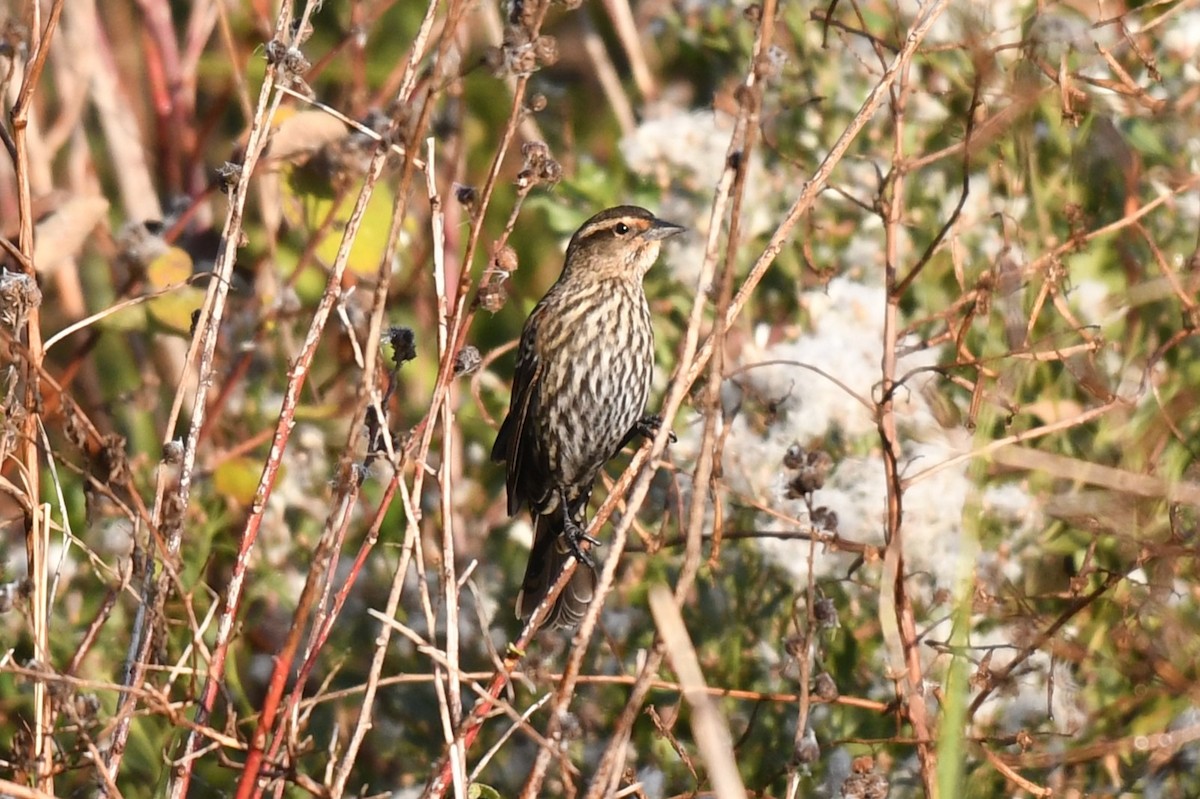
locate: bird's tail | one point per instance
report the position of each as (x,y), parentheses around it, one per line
(546,560)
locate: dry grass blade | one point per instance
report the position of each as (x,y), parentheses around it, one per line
(711,729)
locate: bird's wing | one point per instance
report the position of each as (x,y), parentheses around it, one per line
(514,443)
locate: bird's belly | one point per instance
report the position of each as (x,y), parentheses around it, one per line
(596,406)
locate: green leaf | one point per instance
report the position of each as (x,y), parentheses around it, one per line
(311,203)
(237,479)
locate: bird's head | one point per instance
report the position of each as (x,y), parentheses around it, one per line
(622,242)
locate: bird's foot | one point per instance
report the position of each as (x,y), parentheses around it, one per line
(648,426)
(575,536)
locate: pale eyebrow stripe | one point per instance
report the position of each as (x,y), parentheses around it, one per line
(607,225)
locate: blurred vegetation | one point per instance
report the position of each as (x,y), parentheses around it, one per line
(1055,303)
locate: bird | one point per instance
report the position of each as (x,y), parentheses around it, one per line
(585,363)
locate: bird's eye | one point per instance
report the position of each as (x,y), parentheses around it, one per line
(621,228)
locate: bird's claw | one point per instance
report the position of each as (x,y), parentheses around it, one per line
(648,427)
(576,535)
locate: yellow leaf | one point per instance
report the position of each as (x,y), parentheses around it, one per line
(237,479)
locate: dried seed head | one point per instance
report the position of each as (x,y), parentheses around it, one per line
(404,344)
(825,614)
(551,172)
(492,296)
(111,464)
(825,688)
(865,783)
(506,260)
(534,153)
(289,62)
(812,470)
(521,60)
(228,175)
(570,728)
(19,294)
(87,706)
(773,62)
(300,29)
(275,51)
(545,49)
(467,195)
(467,361)
(825,519)
(807,750)
(139,243)
(173,452)
(539,166)
(492,293)
(794,457)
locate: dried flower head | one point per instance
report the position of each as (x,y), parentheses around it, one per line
(19,294)
(825,613)
(545,50)
(825,688)
(812,470)
(468,196)
(467,360)
(404,344)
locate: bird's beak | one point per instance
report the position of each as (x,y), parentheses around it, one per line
(661,229)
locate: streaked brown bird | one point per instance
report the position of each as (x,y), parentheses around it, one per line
(584,367)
